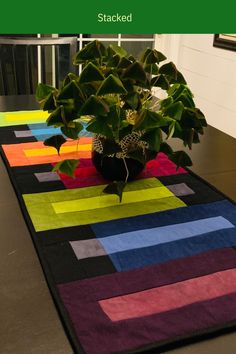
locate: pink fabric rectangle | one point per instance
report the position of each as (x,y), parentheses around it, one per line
(86,174)
(170,297)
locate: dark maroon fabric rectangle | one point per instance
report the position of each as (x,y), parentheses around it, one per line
(98,334)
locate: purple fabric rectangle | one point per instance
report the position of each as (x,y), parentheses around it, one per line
(81,301)
(180,189)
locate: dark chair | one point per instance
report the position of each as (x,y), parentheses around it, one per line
(26,61)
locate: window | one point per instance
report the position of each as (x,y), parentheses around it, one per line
(133,43)
(42,62)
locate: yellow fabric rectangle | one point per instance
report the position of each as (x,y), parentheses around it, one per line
(52,151)
(14,117)
(108,200)
(22,117)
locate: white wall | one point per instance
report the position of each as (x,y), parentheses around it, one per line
(210,73)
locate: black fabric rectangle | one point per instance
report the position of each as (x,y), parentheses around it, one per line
(202,192)
(65,267)
(7,135)
(73,233)
(28,183)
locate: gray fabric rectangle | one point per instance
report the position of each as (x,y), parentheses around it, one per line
(47,176)
(87,248)
(180,189)
(23,133)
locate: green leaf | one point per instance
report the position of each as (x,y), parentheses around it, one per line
(160,81)
(149,120)
(188,137)
(118,50)
(66,166)
(166,102)
(68,78)
(153,138)
(152,56)
(135,72)
(186,100)
(48,104)
(113,61)
(175,110)
(144,55)
(131,58)
(72,132)
(180,78)
(124,63)
(177,90)
(169,70)
(116,187)
(55,141)
(200,116)
(71,90)
(94,106)
(166,149)
(67,103)
(111,84)
(115,116)
(180,158)
(128,85)
(99,126)
(151,69)
(91,51)
(55,117)
(190,119)
(42,91)
(132,100)
(45,97)
(171,130)
(90,73)
(90,88)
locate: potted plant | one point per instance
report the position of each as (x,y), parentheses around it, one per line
(114,94)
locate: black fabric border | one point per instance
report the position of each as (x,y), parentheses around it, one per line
(154,348)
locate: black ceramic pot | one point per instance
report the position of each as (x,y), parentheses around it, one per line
(113,169)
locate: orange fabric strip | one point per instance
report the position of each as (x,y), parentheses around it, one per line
(16,156)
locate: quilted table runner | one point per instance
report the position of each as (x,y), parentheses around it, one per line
(156,269)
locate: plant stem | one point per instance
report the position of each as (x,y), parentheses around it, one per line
(127,171)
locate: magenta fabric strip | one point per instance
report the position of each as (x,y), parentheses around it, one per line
(86,175)
(98,335)
(161,166)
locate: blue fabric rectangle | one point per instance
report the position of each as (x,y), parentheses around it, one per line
(164,234)
(195,212)
(41,131)
(37,126)
(142,257)
(43,137)
(46,131)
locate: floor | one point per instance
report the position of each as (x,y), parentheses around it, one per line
(29,321)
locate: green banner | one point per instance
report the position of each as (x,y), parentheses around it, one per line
(109,16)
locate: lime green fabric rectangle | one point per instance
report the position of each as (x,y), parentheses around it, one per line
(43,216)
(108,200)
(22,117)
